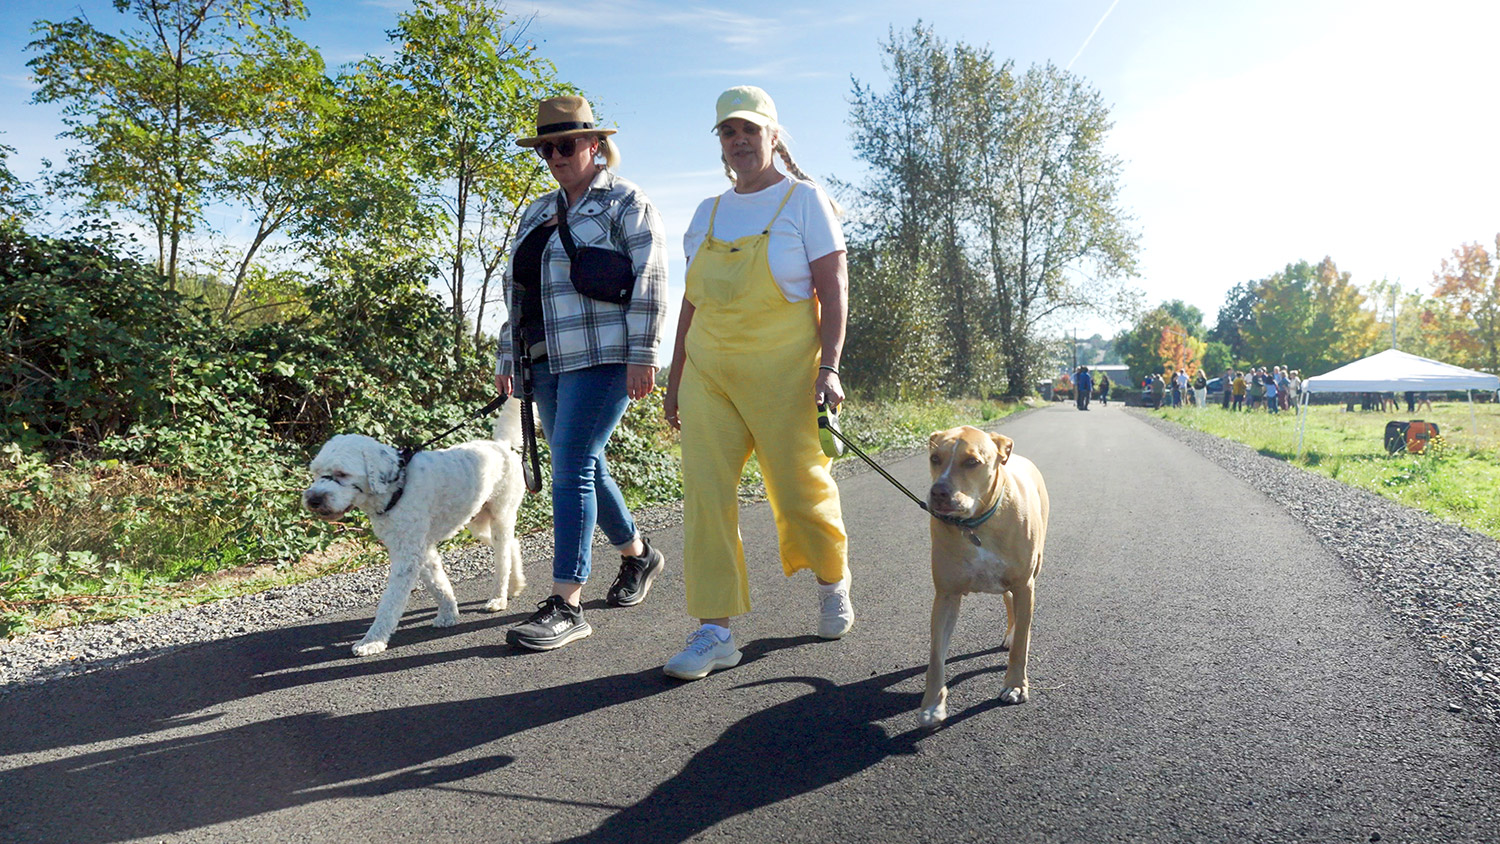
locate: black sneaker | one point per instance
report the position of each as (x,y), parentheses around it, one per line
(636,576)
(554,624)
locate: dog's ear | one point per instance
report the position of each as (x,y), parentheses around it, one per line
(1003,444)
(381,469)
(932,439)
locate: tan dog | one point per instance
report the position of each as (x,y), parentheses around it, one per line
(989,524)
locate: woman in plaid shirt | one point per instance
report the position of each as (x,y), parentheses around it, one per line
(589,357)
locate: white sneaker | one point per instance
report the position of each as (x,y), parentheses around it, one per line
(835,611)
(704,652)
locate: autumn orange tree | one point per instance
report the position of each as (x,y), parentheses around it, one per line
(1466,300)
(1180,351)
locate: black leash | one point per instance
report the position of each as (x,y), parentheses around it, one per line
(967,525)
(406,452)
(531,465)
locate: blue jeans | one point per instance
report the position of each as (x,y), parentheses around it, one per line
(579,411)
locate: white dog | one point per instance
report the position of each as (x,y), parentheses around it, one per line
(478,484)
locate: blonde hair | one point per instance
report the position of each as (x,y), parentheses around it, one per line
(610,152)
(780,149)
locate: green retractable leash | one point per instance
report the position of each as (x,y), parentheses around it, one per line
(833,441)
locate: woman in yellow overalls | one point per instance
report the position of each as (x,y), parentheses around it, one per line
(758,344)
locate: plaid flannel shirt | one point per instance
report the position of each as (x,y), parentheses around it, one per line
(584,332)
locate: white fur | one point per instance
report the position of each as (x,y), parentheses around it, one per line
(476,484)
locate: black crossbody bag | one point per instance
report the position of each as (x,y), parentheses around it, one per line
(602,274)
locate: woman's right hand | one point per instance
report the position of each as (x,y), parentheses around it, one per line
(669,407)
(502,385)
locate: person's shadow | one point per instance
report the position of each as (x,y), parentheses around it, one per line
(154,788)
(823,736)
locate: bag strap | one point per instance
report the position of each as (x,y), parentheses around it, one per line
(562,227)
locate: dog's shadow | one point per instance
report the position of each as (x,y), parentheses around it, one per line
(166,689)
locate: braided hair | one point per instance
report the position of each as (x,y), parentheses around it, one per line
(786,155)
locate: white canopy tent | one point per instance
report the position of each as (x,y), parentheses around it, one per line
(1394,371)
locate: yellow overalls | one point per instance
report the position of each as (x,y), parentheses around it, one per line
(752,357)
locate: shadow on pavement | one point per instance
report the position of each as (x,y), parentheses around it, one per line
(821,737)
(184,783)
(161,692)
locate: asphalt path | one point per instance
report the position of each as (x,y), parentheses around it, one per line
(1201,670)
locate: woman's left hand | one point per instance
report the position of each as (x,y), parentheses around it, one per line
(640,380)
(827,389)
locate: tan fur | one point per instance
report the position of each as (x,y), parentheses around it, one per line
(970,469)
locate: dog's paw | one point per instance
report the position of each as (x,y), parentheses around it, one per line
(495,604)
(932,715)
(445,620)
(364,648)
(1013,695)
(517,583)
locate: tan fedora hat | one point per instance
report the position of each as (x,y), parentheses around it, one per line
(563,117)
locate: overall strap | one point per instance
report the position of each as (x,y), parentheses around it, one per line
(715,212)
(711,215)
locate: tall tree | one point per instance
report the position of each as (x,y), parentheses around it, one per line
(148,107)
(1000,186)
(1236,314)
(918,137)
(465,80)
(1058,237)
(1468,286)
(284,149)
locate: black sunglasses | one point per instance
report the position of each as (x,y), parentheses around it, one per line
(567,147)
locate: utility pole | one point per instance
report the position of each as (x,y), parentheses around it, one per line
(1395,295)
(1075,351)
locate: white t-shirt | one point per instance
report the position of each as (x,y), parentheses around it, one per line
(806,230)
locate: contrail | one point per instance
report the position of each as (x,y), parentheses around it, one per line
(1091,34)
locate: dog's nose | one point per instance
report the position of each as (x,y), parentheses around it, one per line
(940,493)
(313,501)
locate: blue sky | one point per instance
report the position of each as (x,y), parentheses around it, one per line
(1254,133)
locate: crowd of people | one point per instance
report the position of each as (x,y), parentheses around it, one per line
(1255,388)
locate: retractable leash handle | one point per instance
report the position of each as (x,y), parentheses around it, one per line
(828,425)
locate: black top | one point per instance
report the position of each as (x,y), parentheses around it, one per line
(528,275)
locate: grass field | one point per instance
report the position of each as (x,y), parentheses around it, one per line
(1456,480)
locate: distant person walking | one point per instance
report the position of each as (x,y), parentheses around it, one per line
(1238,388)
(1083,382)
(1200,390)
(1104,388)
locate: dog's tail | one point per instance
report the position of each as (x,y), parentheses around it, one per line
(507,426)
